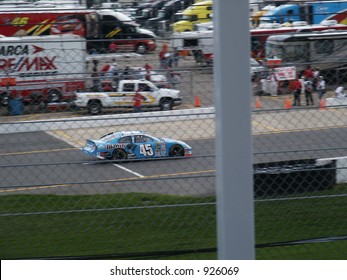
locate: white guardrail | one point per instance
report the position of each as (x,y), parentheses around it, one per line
(106,120)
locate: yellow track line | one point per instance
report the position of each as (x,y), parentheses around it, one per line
(111,181)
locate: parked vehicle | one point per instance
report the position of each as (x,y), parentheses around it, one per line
(150,11)
(122,97)
(312,12)
(256,15)
(42,69)
(196,13)
(166,15)
(135,145)
(324,49)
(99,27)
(199,43)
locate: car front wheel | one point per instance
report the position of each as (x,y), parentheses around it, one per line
(166,105)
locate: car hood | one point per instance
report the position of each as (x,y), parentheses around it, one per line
(147,32)
(169,91)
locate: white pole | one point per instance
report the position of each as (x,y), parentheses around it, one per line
(235,217)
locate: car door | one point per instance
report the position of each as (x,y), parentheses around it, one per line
(125,97)
(144,146)
(148,93)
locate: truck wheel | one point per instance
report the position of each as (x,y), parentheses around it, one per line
(166,105)
(119,154)
(141,49)
(36,97)
(5,99)
(94,107)
(54,95)
(176,151)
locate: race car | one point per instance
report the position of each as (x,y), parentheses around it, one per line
(135,145)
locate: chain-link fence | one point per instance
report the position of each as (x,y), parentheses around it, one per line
(59,202)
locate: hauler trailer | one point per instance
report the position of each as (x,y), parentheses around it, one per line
(42,69)
(99,27)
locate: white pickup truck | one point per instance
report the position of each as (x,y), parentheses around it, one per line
(122,97)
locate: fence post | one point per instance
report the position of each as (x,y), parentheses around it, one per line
(235,225)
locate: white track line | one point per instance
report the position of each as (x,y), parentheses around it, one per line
(128,170)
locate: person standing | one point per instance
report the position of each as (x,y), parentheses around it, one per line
(176,57)
(296,88)
(163,56)
(308,93)
(320,87)
(148,69)
(138,98)
(316,73)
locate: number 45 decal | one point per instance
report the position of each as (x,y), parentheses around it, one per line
(146,150)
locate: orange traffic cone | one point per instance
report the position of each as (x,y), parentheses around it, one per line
(322,104)
(257,103)
(197,101)
(287,104)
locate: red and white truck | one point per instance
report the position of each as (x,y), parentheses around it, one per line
(42,69)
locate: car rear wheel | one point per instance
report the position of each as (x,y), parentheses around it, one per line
(176,151)
(119,154)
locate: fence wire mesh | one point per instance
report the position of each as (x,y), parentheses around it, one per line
(58,202)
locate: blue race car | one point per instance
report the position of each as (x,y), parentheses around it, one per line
(135,145)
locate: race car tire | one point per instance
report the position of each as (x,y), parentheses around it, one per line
(119,154)
(94,107)
(176,151)
(166,105)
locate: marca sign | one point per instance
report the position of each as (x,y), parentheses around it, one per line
(26,60)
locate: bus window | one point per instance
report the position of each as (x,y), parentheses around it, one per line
(295,52)
(324,46)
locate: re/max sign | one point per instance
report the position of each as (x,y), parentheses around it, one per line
(28,64)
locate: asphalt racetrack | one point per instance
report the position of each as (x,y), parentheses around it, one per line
(39,162)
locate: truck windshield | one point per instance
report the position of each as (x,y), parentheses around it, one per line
(274,51)
(189,18)
(289,51)
(161,14)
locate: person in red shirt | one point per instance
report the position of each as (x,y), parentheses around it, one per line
(148,68)
(308,73)
(296,88)
(107,87)
(112,48)
(138,98)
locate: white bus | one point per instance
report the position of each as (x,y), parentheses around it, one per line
(323,49)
